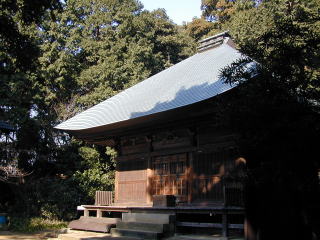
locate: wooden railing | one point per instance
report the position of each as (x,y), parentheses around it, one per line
(103,198)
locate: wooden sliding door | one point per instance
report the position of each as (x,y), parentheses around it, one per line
(170,175)
(131,182)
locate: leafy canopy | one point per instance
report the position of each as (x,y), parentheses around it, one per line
(284,38)
(58,58)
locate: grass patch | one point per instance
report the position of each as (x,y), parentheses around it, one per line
(36,224)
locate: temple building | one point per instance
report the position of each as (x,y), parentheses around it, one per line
(173,158)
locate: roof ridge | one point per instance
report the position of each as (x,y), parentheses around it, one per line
(213,41)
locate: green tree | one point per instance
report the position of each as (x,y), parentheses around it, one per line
(18,62)
(91,54)
(81,52)
(221,10)
(216,15)
(93,50)
(96,173)
(283,37)
(276,111)
(217,10)
(200,27)
(137,46)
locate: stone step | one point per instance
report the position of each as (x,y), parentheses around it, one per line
(100,219)
(141,234)
(153,227)
(157,218)
(94,224)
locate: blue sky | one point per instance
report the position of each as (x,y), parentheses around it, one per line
(177,10)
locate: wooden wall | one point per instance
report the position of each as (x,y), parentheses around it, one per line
(131,181)
(190,164)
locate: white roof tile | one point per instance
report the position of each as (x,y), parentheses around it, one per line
(195,79)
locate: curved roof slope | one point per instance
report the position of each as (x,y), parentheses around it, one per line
(192,80)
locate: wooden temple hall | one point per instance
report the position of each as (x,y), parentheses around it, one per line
(178,171)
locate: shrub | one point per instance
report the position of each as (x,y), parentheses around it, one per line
(27,225)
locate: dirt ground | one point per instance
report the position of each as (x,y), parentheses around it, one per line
(6,235)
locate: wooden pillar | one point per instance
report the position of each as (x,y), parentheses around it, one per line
(149,185)
(149,171)
(190,176)
(246,229)
(99,213)
(116,187)
(224,224)
(249,232)
(86,212)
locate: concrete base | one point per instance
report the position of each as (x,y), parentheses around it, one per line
(145,225)
(138,234)
(152,227)
(157,218)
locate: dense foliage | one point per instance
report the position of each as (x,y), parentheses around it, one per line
(276,111)
(58,58)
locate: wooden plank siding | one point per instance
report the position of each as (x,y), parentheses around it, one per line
(192,165)
(132,186)
(131,180)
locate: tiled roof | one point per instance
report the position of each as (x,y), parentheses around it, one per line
(195,79)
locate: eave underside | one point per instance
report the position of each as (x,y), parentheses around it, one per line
(104,135)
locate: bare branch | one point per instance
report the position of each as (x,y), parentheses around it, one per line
(11,173)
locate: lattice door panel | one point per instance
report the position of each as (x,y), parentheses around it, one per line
(170,175)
